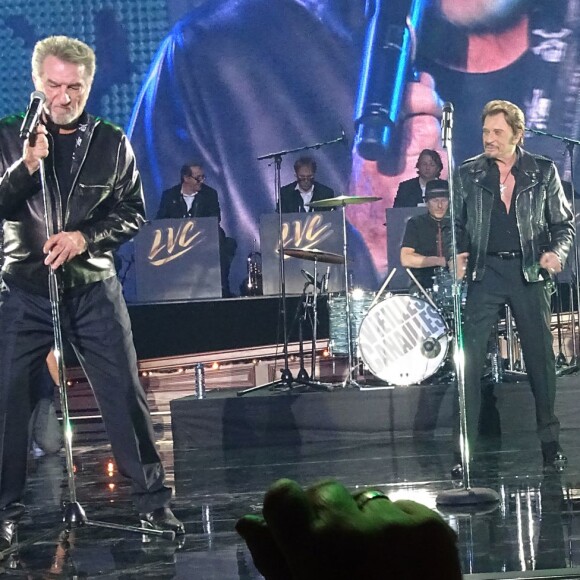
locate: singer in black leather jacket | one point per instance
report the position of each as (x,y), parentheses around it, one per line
(514,230)
(545,221)
(105,204)
(95,191)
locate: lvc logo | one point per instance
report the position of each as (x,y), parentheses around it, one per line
(307,234)
(171,243)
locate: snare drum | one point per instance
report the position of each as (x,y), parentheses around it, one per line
(403,340)
(360,302)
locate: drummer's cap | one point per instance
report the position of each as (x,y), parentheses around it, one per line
(436,188)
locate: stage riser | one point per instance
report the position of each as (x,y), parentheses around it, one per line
(346,415)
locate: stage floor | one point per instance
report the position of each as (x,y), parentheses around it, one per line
(220,472)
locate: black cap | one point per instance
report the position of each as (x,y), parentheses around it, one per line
(436,188)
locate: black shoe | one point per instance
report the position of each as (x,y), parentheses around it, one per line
(9,518)
(7,533)
(162,519)
(553,456)
(457,472)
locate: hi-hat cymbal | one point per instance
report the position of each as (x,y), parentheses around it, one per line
(314,254)
(344,200)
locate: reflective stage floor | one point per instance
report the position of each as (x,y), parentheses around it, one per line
(533,533)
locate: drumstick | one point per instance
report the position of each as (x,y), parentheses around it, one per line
(385,284)
(427,297)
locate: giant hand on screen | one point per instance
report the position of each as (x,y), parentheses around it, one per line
(325,532)
(421,130)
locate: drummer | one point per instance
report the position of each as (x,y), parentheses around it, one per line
(422,247)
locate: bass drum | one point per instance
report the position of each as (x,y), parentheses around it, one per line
(403,340)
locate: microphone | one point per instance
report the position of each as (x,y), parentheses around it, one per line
(32,116)
(390,48)
(431,347)
(310,278)
(447,124)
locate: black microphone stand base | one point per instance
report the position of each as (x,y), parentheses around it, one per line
(74,516)
(288,383)
(465,497)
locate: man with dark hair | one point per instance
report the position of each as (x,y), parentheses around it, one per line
(192,198)
(411,192)
(96,193)
(298,195)
(422,249)
(511,211)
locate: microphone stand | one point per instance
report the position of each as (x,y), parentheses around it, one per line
(74,514)
(286,379)
(574,365)
(466,495)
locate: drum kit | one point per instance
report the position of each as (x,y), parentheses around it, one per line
(400,339)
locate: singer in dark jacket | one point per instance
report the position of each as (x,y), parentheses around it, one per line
(95,190)
(516,226)
(297,196)
(192,198)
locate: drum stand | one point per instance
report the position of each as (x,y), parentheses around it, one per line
(349,380)
(286,380)
(74,515)
(309,302)
(515,371)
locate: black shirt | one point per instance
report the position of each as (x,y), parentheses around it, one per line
(64,146)
(503,230)
(423,234)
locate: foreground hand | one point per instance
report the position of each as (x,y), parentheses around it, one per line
(63,247)
(551,262)
(325,532)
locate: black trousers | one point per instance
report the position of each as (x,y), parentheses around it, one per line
(96,323)
(502,283)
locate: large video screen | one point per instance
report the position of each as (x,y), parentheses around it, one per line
(234,80)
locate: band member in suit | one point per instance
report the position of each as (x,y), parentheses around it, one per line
(411,192)
(192,198)
(297,196)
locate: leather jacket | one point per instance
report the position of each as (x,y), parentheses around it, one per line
(544,218)
(105,203)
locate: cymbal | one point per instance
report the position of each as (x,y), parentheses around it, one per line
(312,255)
(344,200)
